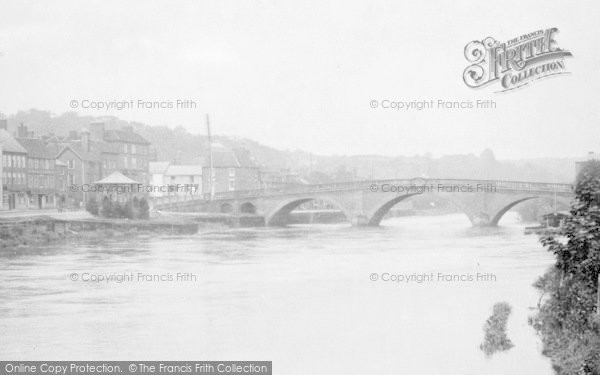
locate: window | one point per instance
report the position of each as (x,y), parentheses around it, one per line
(71,164)
(36,164)
(71,179)
(231,185)
(231,172)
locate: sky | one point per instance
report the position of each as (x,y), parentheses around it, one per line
(303,74)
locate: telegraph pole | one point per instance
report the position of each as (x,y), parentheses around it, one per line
(210,160)
(1,181)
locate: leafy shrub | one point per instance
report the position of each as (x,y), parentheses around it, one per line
(568,316)
(495,339)
(92,207)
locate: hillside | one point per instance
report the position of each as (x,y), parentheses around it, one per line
(179,145)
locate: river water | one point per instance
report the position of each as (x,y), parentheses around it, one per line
(300,296)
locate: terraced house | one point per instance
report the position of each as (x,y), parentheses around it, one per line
(41,173)
(129,151)
(14,171)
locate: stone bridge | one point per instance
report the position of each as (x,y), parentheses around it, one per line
(367,202)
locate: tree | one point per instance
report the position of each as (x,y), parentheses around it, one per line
(568,318)
(580,256)
(107,208)
(144,209)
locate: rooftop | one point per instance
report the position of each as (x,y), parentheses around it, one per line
(184,170)
(10,144)
(36,148)
(158,167)
(124,136)
(116,178)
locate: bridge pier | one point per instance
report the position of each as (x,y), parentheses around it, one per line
(359,220)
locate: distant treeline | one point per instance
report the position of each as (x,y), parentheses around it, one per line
(179,145)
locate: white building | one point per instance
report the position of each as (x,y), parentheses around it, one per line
(186,178)
(172,180)
(157,170)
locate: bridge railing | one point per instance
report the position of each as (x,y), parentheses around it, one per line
(500,185)
(365,184)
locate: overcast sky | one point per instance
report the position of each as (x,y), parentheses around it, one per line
(301,75)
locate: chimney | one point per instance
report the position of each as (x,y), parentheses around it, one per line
(22,131)
(85,140)
(97,129)
(4,124)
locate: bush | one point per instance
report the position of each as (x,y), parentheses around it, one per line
(92,207)
(495,339)
(133,209)
(144,209)
(127,211)
(107,208)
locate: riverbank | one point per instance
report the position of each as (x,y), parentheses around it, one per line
(568,324)
(42,230)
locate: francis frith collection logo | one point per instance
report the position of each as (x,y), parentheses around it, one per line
(514,63)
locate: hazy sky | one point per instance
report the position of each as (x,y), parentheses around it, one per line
(301,75)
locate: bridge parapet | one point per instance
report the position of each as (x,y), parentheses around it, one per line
(502,185)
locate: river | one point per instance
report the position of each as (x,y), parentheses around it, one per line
(302,297)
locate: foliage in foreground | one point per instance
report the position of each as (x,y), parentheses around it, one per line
(567,319)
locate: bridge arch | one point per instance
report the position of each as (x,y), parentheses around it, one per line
(382,210)
(494,221)
(487,210)
(279,216)
(226,208)
(477,215)
(248,208)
